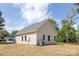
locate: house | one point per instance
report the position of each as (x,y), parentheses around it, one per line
(9,39)
(42,31)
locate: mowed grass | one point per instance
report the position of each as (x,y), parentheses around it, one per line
(30,50)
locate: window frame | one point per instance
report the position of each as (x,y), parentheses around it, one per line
(25,38)
(54,38)
(43,37)
(29,39)
(22,38)
(48,37)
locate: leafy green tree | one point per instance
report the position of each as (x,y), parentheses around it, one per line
(54,24)
(2,21)
(77,5)
(67,32)
(60,36)
(4,34)
(14,32)
(77,32)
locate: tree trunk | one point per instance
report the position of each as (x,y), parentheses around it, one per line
(67,37)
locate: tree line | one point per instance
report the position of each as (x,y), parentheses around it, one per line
(67,33)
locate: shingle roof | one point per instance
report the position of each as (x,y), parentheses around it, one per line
(32,28)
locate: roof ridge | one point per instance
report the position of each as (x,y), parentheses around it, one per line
(32,27)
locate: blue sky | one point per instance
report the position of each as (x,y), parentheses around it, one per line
(18,16)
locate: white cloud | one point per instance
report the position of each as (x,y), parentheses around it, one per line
(34,12)
(75,26)
(10,29)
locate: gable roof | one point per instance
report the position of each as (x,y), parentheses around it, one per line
(32,28)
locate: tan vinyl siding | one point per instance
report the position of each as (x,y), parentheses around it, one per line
(31,39)
(46,30)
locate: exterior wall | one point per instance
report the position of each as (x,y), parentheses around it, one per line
(46,30)
(31,36)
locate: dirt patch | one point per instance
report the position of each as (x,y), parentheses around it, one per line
(30,50)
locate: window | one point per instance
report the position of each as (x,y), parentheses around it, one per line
(10,39)
(25,38)
(54,38)
(22,38)
(48,37)
(43,37)
(29,39)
